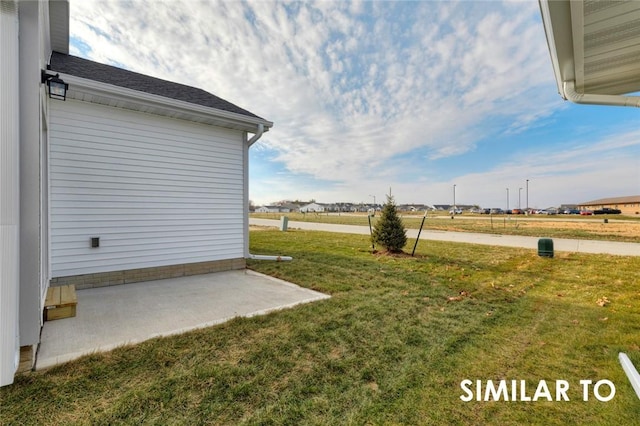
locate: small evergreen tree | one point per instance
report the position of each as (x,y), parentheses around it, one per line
(389,231)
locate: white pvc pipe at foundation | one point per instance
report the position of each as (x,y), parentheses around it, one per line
(631,372)
(267,257)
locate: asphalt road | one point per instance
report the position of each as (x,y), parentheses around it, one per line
(559,244)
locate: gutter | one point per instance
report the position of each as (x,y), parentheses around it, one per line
(569,89)
(250,142)
(81,88)
(551,41)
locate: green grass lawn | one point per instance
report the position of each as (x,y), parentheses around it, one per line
(391,346)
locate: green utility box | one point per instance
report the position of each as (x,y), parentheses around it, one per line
(284,223)
(545,247)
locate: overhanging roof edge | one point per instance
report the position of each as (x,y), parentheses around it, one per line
(87,86)
(551,44)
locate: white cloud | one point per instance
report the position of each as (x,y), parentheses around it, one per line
(349,85)
(572,173)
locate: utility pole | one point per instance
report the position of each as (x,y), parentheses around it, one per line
(519,192)
(454,200)
(507,200)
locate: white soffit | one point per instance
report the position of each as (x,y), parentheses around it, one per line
(595,43)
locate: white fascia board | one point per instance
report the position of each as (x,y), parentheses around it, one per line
(79,85)
(558,27)
(551,43)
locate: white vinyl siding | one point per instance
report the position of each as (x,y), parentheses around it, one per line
(9,192)
(157,191)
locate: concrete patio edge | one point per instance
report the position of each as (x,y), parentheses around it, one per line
(142,312)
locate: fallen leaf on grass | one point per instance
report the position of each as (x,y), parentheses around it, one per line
(461,295)
(603,301)
(604,319)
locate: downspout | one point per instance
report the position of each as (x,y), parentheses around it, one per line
(250,142)
(257,136)
(594,99)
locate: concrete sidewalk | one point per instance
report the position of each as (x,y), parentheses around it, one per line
(559,244)
(108,317)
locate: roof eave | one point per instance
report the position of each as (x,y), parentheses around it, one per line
(556,19)
(564,26)
(108,94)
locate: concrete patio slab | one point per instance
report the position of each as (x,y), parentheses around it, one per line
(109,317)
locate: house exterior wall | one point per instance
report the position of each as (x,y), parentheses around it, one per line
(625,208)
(156,191)
(9,192)
(34,51)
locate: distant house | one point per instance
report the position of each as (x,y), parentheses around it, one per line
(627,205)
(344,207)
(289,207)
(126,173)
(414,207)
(566,207)
(313,207)
(272,209)
(332,207)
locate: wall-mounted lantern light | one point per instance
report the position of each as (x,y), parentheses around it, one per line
(57,86)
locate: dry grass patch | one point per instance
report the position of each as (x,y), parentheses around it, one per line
(628,229)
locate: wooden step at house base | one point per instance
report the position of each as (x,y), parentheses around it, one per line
(60,303)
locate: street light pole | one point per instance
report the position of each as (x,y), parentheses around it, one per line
(454,199)
(519,192)
(374,200)
(507,200)
(527,195)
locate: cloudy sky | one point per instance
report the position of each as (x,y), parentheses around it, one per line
(368,96)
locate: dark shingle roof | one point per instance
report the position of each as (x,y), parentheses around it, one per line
(84,68)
